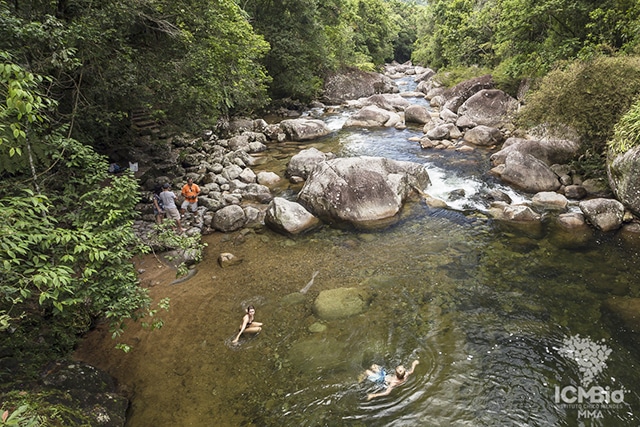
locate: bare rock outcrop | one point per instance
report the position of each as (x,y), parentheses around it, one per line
(364,192)
(489,107)
(355,84)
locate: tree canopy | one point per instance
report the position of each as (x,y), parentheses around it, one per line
(181,62)
(523,37)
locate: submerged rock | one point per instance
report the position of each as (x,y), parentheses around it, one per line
(340,303)
(79,385)
(625,310)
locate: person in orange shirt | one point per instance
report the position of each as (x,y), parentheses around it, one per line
(190,192)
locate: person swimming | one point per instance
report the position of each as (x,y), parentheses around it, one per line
(377,374)
(249,325)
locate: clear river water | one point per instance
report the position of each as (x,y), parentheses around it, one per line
(508,323)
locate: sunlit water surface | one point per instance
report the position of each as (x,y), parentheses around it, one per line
(486,308)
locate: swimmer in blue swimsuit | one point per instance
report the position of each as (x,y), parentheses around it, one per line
(378,375)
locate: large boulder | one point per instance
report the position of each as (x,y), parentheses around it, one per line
(489,107)
(549,150)
(626,311)
(373,116)
(212,201)
(417,114)
(443,131)
(355,84)
(483,136)
(423,75)
(304,129)
(289,217)
(231,172)
(257,192)
(230,218)
(604,214)
(456,96)
(514,213)
(84,388)
(340,303)
(386,101)
(550,200)
(624,178)
(267,178)
(365,192)
(305,161)
(528,173)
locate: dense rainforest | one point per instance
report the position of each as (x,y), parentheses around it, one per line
(73,73)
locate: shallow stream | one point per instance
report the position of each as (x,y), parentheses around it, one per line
(504,320)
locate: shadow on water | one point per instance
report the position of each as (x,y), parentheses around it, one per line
(490,310)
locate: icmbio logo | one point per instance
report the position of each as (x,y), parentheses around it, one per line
(591,358)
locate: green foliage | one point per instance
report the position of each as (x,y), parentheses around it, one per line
(20,417)
(214,64)
(626,133)
(65,248)
(406,18)
(526,38)
(50,408)
(165,236)
(23,111)
(539,33)
(376,28)
(588,96)
(451,76)
(614,26)
(455,33)
(298,45)
(190,64)
(309,38)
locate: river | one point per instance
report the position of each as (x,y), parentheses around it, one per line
(506,322)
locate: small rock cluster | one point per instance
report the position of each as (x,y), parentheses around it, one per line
(232,195)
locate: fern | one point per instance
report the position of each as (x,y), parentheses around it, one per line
(626,133)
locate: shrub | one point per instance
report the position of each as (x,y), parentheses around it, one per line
(588,96)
